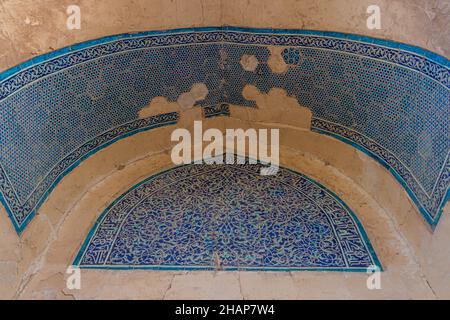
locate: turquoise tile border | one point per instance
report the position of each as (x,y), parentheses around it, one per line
(427,63)
(94,228)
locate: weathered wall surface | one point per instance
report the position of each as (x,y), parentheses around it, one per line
(84,98)
(429,249)
(32,27)
(422,23)
(38,259)
(52,240)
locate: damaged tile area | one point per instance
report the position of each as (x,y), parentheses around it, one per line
(357,90)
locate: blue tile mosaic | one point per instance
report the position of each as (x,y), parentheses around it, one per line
(291,56)
(390,100)
(228,217)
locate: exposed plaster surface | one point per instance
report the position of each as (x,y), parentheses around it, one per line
(32,27)
(274,107)
(158,105)
(422,23)
(249,62)
(9,257)
(51,242)
(276,62)
(198,92)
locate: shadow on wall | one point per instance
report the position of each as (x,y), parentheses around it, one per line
(387,99)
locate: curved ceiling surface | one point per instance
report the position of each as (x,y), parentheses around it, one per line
(390,100)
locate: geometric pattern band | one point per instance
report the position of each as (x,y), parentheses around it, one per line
(390,100)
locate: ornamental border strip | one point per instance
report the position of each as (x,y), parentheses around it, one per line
(251,168)
(420,60)
(220,109)
(425,203)
(413,61)
(22,213)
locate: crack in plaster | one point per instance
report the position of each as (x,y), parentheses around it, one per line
(404,243)
(39,262)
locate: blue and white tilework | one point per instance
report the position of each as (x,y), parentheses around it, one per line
(291,56)
(203,216)
(222,109)
(390,100)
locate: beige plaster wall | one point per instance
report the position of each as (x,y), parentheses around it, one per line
(32,266)
(403,277)
(416,261)
(430,249)
(418,22)
(32,27)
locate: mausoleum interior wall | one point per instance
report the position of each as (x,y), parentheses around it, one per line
(33,265)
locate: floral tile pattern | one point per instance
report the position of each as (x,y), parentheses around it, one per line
(203,216)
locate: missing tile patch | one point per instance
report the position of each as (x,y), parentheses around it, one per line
(276,62)
(185,101)
(158,105)
(198,92)
(249,62)
(274,106)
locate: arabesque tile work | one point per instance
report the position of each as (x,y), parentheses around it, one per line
(228,217)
